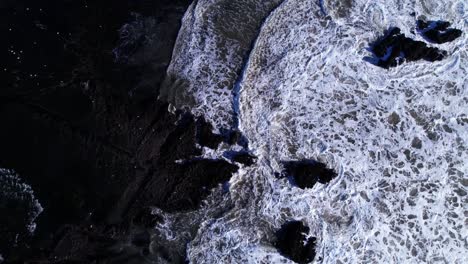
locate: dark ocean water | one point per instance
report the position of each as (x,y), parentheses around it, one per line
(71,112)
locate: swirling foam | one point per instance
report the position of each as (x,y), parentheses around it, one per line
(306,92)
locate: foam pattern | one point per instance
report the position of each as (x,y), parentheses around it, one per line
(13,191)
(397,138)
(209,55)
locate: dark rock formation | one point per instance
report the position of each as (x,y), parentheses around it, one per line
(395,48)
(205,136)
(292,242)
(242,157)
(175,179)
(306,173)
(437,31)
(87,133)
(181,141)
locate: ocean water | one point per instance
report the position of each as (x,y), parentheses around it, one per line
(19,209)
(302,89)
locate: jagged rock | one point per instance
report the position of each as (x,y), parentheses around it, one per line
(205,135)
(181,142)
(306,173)
(292,242)
(242,157)
(438,31)
(83,133)
(245,158)
(233,137)
(395,48)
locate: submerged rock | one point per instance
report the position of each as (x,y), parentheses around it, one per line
(395,48)
(306,173)
(438,31)
(293,243)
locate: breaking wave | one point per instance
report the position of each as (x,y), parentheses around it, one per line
(19,209)
(397,138)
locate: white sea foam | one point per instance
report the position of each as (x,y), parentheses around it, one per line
(306,92)
(208,56)
(13,188)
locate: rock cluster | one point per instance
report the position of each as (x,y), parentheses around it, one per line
(438,31)
(395,48)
